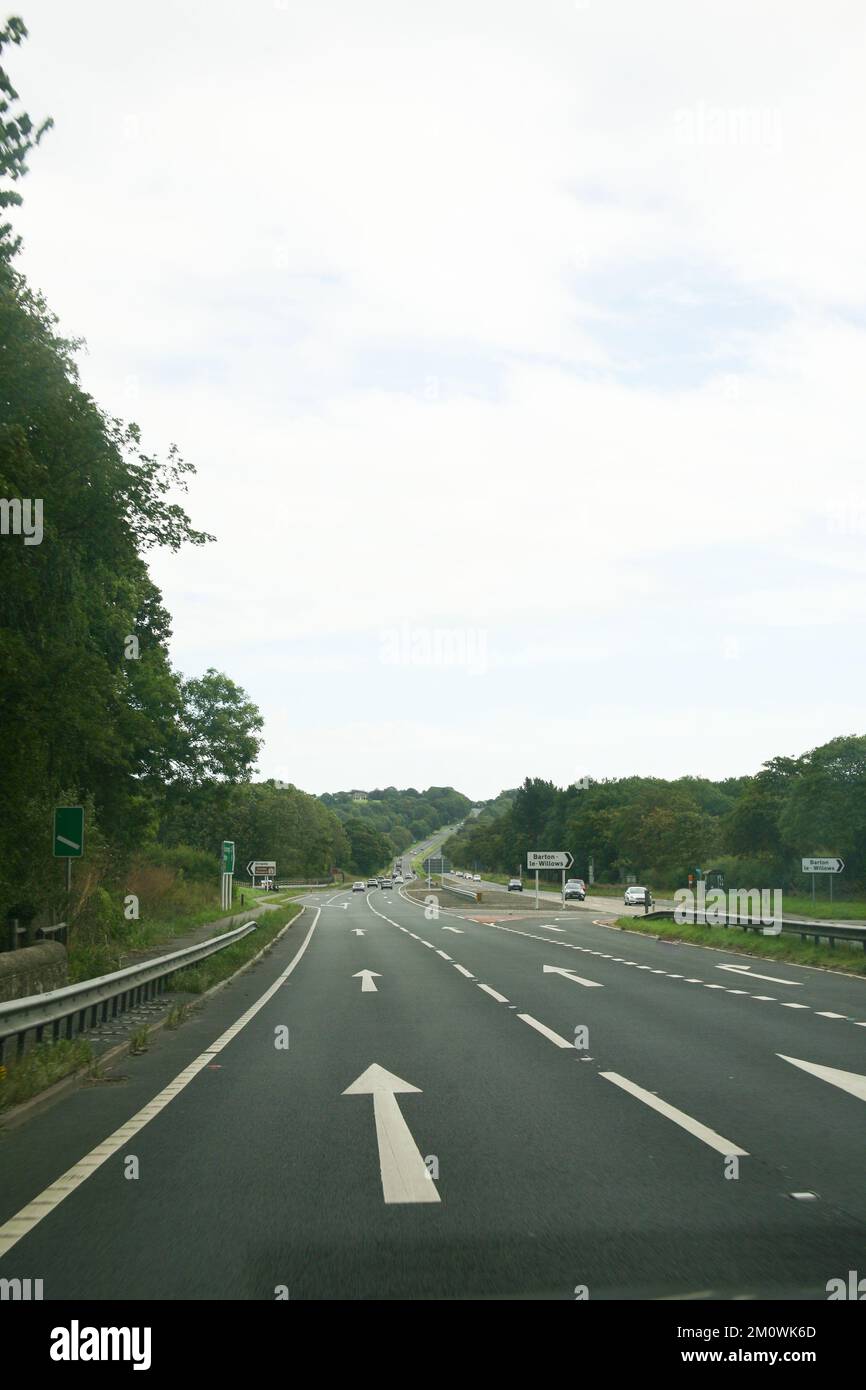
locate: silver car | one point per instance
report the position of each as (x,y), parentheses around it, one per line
(637,897)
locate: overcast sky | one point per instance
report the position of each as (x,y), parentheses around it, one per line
(520,348)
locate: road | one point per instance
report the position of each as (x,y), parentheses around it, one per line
(534,1108)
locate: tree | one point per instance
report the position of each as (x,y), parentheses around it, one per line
(18,135)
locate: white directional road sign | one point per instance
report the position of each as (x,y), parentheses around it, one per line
(262,868)
(831,865)
(549,859)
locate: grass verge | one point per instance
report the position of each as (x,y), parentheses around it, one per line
(40,1068)
(196,979)
(780,948)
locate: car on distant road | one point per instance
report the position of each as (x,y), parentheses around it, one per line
(372,883)
(637,897)
(359,886)
(575,888)
(385,883)
(476,878)
(515,886)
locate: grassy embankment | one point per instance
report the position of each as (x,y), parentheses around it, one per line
(851,958)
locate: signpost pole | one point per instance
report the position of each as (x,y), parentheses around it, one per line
(536,890)
(563,888)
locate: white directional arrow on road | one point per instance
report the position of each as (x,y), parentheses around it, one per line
(746,970)
(366,977)
(458,930)
(545,928)
(404,1173)
(358,931)
(570,975)
(850,1081)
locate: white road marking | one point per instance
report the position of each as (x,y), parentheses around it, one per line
(569,975)
(464,971)
(366,977)
(545,1031)
(765,998)
(454,929)
(747,970)
(23,1221)
(794,1006)
(679,1117)
(850,1081)
(494,994)
(443,955)
(404,1173)
(358,931)
(823,1013)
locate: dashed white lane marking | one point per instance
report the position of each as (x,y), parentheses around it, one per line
(679,1117)
(23,1221)
(545,1031)
(671,975)
(494,994)
(443,955)
(464,971)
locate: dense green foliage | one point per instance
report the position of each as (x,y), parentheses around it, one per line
(756,829)
(399,817)
(92,711)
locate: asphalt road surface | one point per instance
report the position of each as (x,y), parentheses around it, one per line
(535,1108)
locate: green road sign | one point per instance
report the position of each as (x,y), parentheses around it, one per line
(68,832)
(228,856)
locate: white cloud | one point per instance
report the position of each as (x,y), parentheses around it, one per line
(486,314)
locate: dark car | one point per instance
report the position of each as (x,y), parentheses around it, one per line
(575,888)
(515,886)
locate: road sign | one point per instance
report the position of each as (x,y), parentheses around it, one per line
(68,832)
(549,859)
(830,865)
(228,856)
(262,868)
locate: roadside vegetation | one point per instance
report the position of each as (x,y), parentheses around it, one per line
(40,1068)
(754,831)
(850,958)
(197,979)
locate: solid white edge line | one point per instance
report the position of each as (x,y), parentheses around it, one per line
(30,1215)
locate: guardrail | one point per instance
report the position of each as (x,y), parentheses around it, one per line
(831,932)
(68,1011)
(472,893)
(329,883)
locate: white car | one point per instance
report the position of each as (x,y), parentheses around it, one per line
(359,887)
(476,878)
(637,897)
